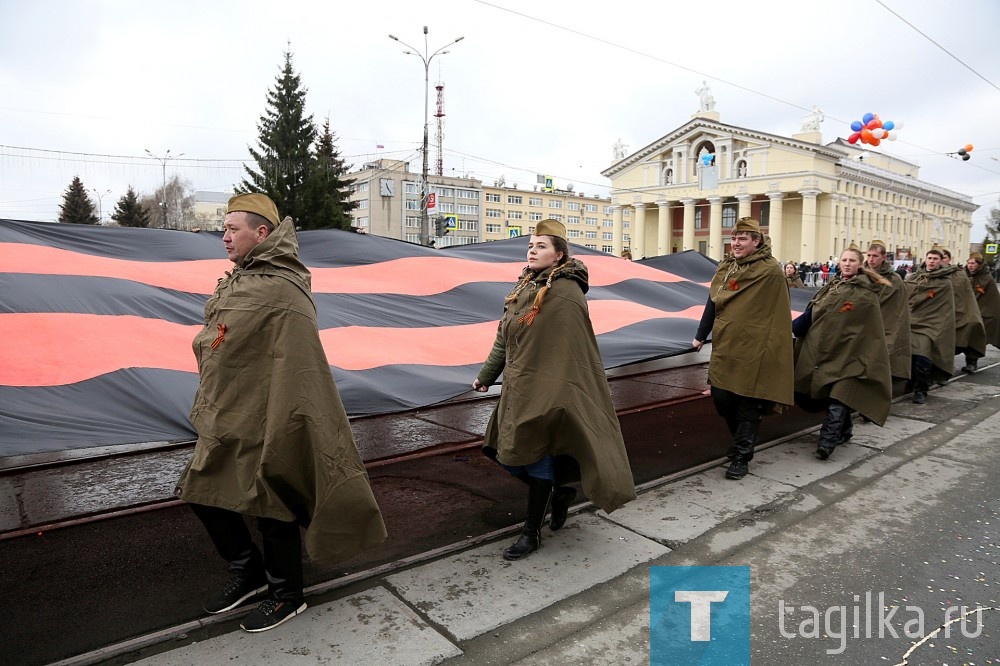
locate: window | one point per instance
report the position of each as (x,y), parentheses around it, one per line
(573,233)
(361,187)
(608,223)
(467,209)
(592,221)
(444,191)
(412,238)
(535,201)
(412,222)
(590,208)
(515,199)
(556,216)
(467,194)
(590,235)
(411,188)
(445,207)
(361,222)
(492,228)
(535,217)
(492,197)
(468,225)
(572,219)
(591,246)
(412,204)
(626,238)
(607,235)
(363,204)
(494,212)
(555,203)
(728,217)
(697,219)
(607,210)
(703,246)
(514,215)
(572,205)
(608,248)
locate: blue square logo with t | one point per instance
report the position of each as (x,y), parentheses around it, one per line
(699,616)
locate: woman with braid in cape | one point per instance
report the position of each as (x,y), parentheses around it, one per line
(554,423)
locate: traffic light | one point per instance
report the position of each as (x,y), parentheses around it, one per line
(441,225)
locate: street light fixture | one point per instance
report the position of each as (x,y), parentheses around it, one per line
(424,222)
(163,192)
(100,210)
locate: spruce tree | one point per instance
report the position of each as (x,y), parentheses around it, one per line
(77,208)
(128,211)
(327,192)
(283,157)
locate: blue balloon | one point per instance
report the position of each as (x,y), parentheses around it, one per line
(857,125)
(888,125)
(867,118)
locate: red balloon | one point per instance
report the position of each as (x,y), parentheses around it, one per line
(854,137)
(873,123)
(866,135)
(875,141)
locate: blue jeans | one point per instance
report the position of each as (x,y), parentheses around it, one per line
(543,469)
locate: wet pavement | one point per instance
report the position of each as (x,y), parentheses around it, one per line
(909,511)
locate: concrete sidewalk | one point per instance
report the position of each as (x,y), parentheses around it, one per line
(583,597)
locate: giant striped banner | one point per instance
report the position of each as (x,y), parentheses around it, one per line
(97,323)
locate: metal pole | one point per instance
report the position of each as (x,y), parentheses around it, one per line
(163,192)
(426,57)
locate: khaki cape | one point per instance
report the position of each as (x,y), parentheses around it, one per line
(970,333)
(273,436)
(932,319)
(752,332)
(988,299)
(555,399)
(844,355)
(895,319)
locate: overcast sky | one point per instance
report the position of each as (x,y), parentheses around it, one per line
(535,87)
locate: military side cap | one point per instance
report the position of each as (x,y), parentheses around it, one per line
(880,243)
(747,224)
(254,203)
(977,256)
(551,227)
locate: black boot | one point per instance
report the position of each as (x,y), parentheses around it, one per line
(232,539)
(970,364)
(741,452)
(847,432)
(562,497)
(831,431)
(539,491)
(921,371)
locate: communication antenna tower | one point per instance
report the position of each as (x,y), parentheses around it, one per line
(439,132)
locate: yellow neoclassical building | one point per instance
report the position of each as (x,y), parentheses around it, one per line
(686,190)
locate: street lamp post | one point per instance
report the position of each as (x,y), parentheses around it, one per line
(100,208)
(163,192)
(424,188)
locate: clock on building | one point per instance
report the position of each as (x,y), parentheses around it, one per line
(387,187)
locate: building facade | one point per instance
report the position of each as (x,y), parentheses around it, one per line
(686,190)
(388,196)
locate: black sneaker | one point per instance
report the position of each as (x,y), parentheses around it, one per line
(919,397)
(270,613)
(236,591)
(823,453)
(738,468)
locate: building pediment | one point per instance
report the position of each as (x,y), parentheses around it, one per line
(701,131)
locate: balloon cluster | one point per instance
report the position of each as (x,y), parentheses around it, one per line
(964,152)
(872,130)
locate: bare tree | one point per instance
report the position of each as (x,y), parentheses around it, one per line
(171,207)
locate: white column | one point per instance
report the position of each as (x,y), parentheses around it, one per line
(809,224)
(775,226)
(687,241)
(616,230)
(639,231)
(715,248)
(743,209)
(664,228)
